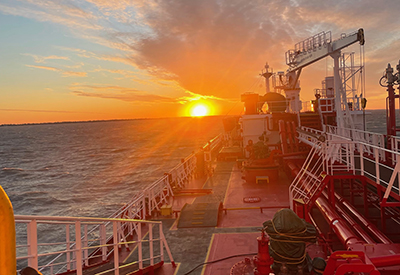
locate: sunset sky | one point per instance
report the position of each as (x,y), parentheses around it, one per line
(69,60)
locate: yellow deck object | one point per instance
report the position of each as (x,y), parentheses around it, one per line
(8,257)
(262,178)
(166,210)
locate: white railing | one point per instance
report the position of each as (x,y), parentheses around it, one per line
(360,153)
(79,242)
(181,173)
(150,199)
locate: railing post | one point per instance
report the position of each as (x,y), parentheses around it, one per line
(348,157)
(161,243)
(32,244)
(144,207)
(68,244)
(116,251)
(150,197)
(151,244)
(352,159)
(78,247)
(103,242)
(140,255)
(383,146)
(377,172)
(85,244)
(362,159)
(162,237)
(395,147)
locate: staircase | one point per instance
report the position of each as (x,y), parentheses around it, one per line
(310,180)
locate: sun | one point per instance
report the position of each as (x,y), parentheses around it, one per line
(199,110)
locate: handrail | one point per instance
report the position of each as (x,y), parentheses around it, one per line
(80,255)
(353,150)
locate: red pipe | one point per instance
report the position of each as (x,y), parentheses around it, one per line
(388,260)
(355,226)
(361,219)
(344,233)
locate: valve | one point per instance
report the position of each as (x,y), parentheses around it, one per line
(263,260)
(388,79)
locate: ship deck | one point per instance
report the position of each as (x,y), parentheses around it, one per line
(239,224)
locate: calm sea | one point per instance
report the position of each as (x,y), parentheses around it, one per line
(93,168)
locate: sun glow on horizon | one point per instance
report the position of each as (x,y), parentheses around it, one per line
(200,110)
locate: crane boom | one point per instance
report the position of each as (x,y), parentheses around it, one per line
(317,47)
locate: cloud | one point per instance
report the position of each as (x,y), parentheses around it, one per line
(118,93)
(44,68)
(76,74)
(129,96)
(134,95)
(60,12)
(38,111)
(195,97)
(42,59)
(64,73)
(215,47)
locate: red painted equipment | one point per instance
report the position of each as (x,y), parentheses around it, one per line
(342,262)
(263,260)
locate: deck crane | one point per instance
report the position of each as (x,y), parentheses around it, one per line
(309,51)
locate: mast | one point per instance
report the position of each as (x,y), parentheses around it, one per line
(267,74)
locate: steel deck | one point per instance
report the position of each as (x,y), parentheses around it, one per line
(238,226)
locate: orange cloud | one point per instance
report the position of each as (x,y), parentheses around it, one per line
(129,96)
(44,68)
(195,97)
(70,73)
(64,73)
(39,111)
(42,59)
